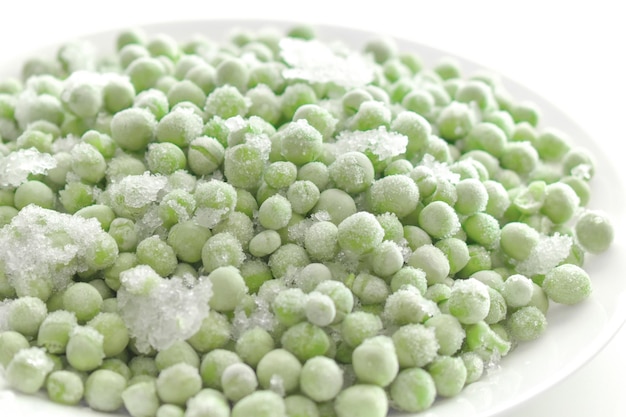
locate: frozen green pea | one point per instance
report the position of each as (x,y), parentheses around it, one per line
(578,162)
(552,144)
(176,206)
(11,342)
(178,352)
(485,341)
(527,323)
(124,261)
(560,202)
(407,306)
(472,196)
(275,212)
(413,390)
(455,121)
(337,203)
(264,103)
(371,115)
(54,331)
(156,253)
(359,233)
(279,369)
(35,139)
(456,251)
(186,91)
(449,374)
(567,284)
(238,380)
(469,301)
(85,348)
(439,220)
(287,258)
(215,332)
(243,166)
(180,127)
(316,172)
(358,326)
(145,72)
(289,306)
(294,96)
(321,379)
(517,290)
(118,94)
(253,344)
(38,107)
(225,101)
(221,250)
(260,403)
(65,387)
(125,234)
(305,340)
(178,383)
(208,403)
(26,314)
(396,194)
(370,289)
(141,399)
(497,307)
(594,231)
(28,369)
(448,332)
(299,405)
(154,101)
(580,187)
(386,259)
(320,241)
(432,261)
(300,142)
(483,229)
(104,214)
(264,243)
(103,390)
(132,129)
(364,400)
(228,286)
(303,195)
(318,117)
(165,158)
(416,345)
(375,361)
(170,410)
(520,157)
(319,309)
(408,276)
(34,192)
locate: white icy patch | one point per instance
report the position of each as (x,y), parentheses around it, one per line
(547,254)
(379,142)
(317,62)
(137,191)
(47,246)
(17,166)
(440,170)
(159,311)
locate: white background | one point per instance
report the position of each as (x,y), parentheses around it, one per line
(571,52)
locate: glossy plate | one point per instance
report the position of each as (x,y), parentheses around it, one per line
(575,334)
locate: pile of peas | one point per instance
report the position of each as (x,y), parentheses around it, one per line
(326,283)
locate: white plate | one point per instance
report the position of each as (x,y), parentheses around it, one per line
(575,334)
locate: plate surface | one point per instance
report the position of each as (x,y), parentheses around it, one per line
(575,334)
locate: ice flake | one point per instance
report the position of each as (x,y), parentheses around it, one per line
(46,247)
(138,191)
(17,166)
(547,254)
(261,316)
(5,305)
(317,62)
(379,142)
(159,311)
(440,170)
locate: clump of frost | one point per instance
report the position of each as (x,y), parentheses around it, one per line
(159,311)
(17,166)
(547,254)
(440,170)
(379,142)
(46,246)
(317,62)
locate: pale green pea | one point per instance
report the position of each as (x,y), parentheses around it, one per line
(124,232)
(143,365)
(416,237)
(527,323)
(300,142)
(594,231)
(337,203)
(170,410)
(154,101)
(358,326)
(185,91)
(455,121)
(243,166)
(469,301)
(449,374)
(375,361)
(264,103)
(85,348)
(397,194)
(567,284)
(275,212)
(432,261)
(124,261)
(178,352)
(11,342)
(366,400)
(165,158)
(287,258)
(156,253)
(141,399)
(253,344)
(416,345)
(520,157)
(225,101)
(299,405)
(321,379)
(305,340)
(407,306)
(289,306)
(560,202)
(279,369)
(472,196)
(228,287)
(370,289)
(483,229)
(359,233)
(104,214)
(214,333)
(517,290)
(260,404)
(132,129)
(180,127)
(386,259)
(178,383)
(408,276)
(54,331)
(65,387)
(27,370)
(75,196)
(413,390)
(34,192)
(318,117)
(456,251)
(26,314)
(439,220)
